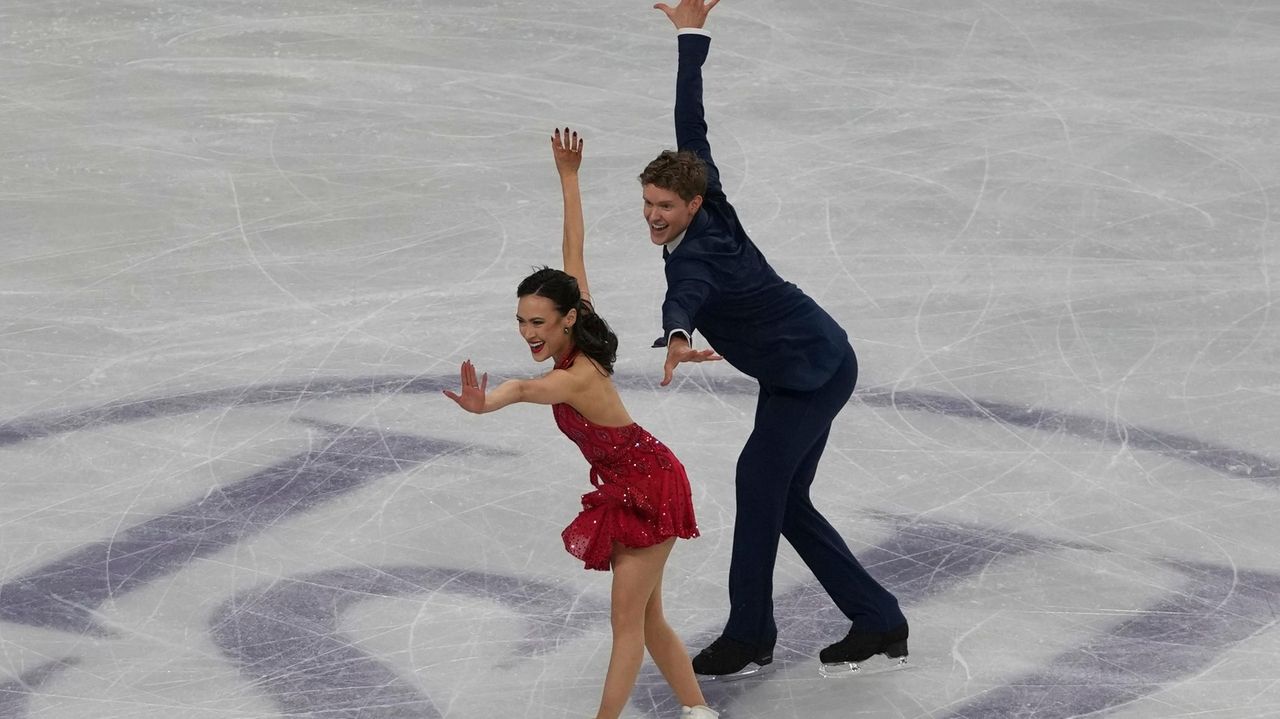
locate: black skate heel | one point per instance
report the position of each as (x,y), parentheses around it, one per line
(851,656)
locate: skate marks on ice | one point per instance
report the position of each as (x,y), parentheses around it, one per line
(1209,610)
(1215,609)
(64,594)
(920,560)
(286,638)
(1219,458)
(127,410)
(16,695)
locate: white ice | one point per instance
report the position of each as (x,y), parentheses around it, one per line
(244,242)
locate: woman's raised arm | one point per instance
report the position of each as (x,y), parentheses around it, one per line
(566,147)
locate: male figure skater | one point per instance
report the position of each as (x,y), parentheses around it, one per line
(720,284)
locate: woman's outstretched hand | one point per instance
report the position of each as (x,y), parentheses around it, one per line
(566,146)
(472,397)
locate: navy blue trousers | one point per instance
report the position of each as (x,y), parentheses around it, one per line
(775,470)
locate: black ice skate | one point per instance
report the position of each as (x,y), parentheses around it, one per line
(848,657)
(729,659)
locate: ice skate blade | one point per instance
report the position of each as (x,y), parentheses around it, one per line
(751,670)
(843,670)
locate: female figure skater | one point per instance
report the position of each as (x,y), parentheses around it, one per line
(641,501)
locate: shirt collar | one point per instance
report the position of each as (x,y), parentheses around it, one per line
(672,245)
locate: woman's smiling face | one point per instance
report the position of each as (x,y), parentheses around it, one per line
(543,327)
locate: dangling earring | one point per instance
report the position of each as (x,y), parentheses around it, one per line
(566,330)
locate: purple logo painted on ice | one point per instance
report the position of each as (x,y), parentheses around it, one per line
(285,637)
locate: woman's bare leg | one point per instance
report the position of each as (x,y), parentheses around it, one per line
(635,574)
(669,652)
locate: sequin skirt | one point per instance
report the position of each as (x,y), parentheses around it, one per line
(641,500)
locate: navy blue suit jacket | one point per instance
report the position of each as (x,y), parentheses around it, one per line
(720,284)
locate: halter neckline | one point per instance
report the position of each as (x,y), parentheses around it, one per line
(569,358)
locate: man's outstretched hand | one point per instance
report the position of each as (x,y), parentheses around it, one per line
(678,350)
(689,13)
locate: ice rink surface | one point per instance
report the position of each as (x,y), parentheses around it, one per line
(244,244)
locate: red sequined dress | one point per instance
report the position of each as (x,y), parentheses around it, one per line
(641,495)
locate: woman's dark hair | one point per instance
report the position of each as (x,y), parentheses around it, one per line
(590,332)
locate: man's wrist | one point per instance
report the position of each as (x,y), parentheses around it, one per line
(692,31)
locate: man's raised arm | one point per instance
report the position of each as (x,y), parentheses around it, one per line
(691,126)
